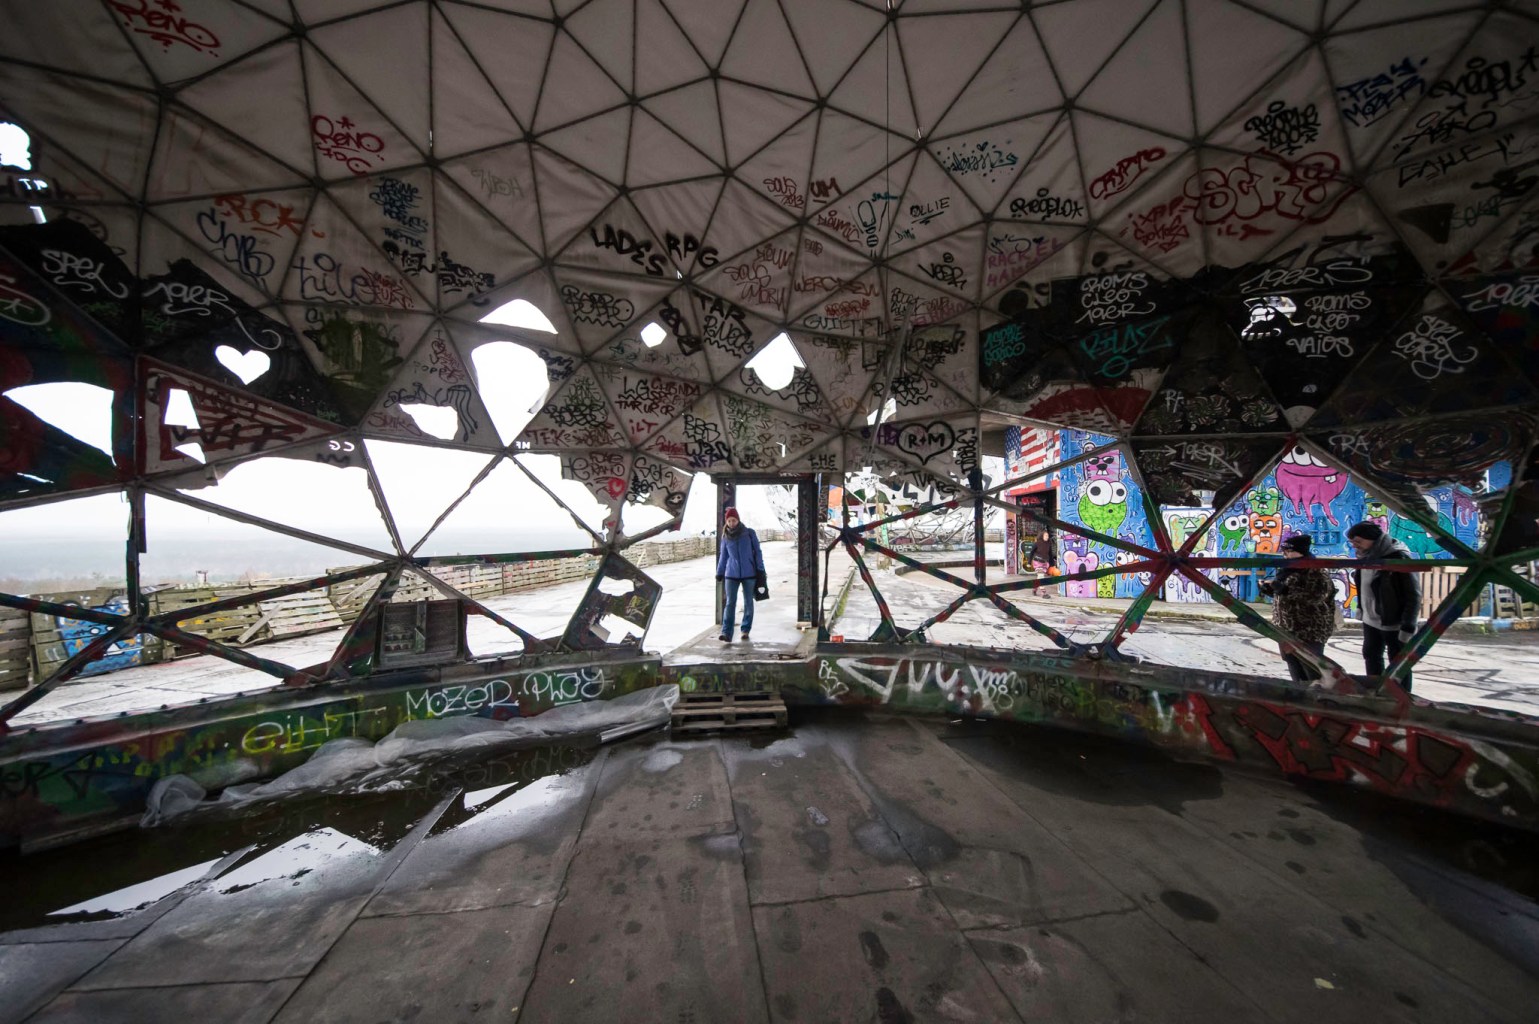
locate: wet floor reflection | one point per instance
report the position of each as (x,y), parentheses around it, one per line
(234,849)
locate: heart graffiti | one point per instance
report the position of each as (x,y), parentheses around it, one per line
(925,441)
(248,366)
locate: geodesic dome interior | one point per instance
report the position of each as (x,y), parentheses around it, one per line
(1214,236)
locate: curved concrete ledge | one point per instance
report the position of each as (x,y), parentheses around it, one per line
(67,780)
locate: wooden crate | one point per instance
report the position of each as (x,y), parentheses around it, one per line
(15,649)
(713,712)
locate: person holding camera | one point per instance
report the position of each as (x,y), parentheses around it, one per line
(1303,605)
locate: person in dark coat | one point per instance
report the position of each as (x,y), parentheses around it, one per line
(1041,559)
(1390,601)
(1303,605)
(739,561)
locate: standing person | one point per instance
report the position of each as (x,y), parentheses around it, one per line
(1303,606)
(1390,601)
(1041,559)
(739,561)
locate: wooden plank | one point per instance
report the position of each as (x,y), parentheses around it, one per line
(252,630)
(727,714)
(715,697)
(693,727)
(351,597)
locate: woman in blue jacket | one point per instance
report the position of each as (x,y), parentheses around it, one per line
(738,562)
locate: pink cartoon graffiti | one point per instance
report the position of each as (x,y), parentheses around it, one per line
(1306,482)
(1073,563)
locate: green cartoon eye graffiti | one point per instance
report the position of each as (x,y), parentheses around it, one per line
(1104,505)
(1232,532)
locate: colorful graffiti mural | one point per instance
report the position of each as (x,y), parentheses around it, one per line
(64,778)
(1462,763)
(75,635)
(1303,494)
(1099,494)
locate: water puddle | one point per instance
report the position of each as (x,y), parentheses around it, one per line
(230,850)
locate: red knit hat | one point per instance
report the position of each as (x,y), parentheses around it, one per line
(731,513)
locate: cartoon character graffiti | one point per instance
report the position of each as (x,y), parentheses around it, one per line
(1179,589)
(1264,501)
(1181,526)
(1128,558)
(1307,482)
(77,634)
(1376,512)
(1415,537)
(1103,505)
(1075,543)
(1346,592)
(1266,533)
(1105,466)
(1074,563)
(1465,509)
(1233,532)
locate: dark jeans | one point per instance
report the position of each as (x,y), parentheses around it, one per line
(1375,641)
(730,611)
(1299,670)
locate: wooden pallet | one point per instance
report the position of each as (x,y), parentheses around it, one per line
(15,649)
(231,626)
(297,614)
(712,712)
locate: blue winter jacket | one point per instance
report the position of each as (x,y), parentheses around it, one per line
(740,557)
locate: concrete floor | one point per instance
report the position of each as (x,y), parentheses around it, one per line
(1488,671)
(853,869)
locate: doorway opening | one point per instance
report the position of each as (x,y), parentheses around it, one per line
(784,508)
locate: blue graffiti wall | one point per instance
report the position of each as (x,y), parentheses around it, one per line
(1301,495)
(1099,494)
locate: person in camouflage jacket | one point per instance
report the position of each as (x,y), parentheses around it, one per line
(1303,605)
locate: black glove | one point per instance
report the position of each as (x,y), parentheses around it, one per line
(719,578)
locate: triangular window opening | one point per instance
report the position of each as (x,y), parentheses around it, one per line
(325,500)
(505,512)
(180,413)
(83,411)
(777,363)
(574,494)
(440,421)
(513,382)
(420,482)
(887,412)
(520,313)
(15,146)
